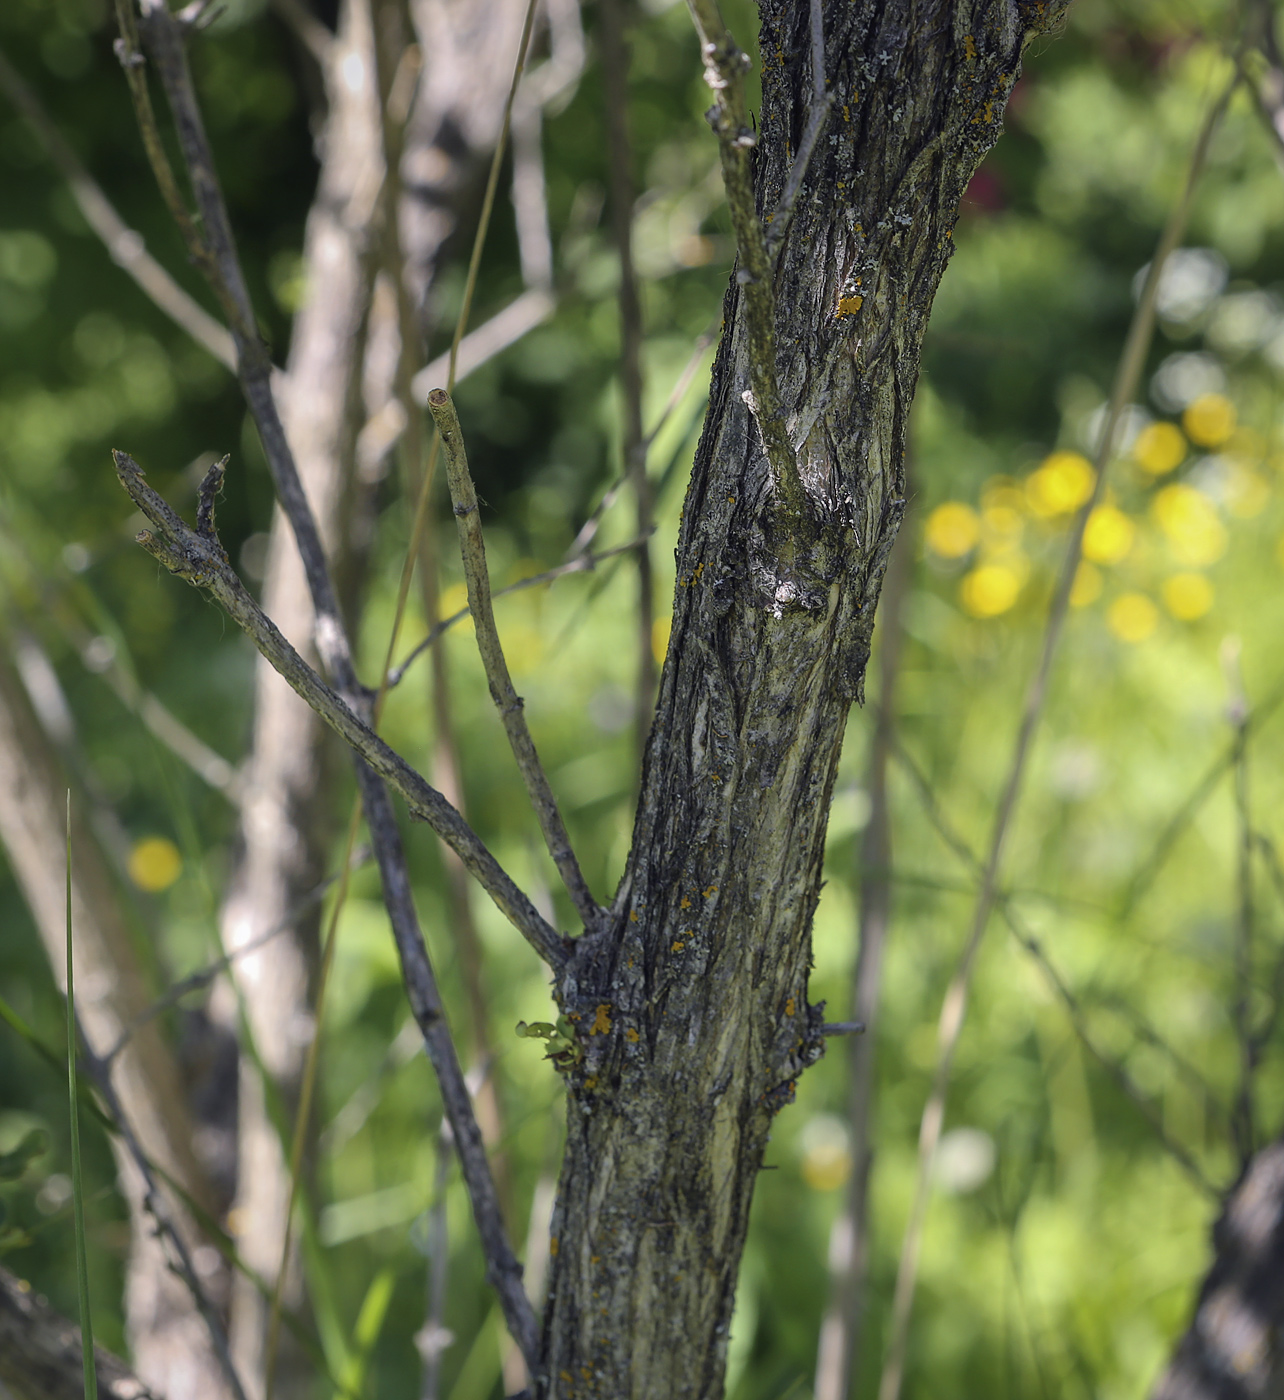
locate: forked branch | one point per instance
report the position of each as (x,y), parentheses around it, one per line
(507,701)
(199,558)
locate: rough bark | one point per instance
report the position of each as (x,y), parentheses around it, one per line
(40,1357)
(171,1344)
(692,1003)
(1233,1349)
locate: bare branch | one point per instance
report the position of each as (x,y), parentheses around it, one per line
(40,1351)
(124,244)
(507,701)
(202,561)
(199,980)
(725,68)
(315,36)
(583,563)
(180,1259)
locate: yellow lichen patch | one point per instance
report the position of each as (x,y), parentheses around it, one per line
(676,947)
(553,1247)
(849,306)
(713,889)
(969,46)
(591,1082)
(601,1020)
(686,902)
(631,1036)
(790,1006)
(633,916)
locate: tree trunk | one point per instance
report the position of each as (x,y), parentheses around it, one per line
(1233,1349)
(692,1003)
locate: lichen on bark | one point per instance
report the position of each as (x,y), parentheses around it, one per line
(692,1002)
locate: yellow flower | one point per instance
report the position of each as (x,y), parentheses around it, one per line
(154,864)
(1086,587)
(1061,484)
(990,590)
(1187,596)
(1159,448)
(1132,617)
(1108,536)
(953,530)
(1210,420)
(1189,520)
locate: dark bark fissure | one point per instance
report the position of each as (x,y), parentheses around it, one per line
(691,1004)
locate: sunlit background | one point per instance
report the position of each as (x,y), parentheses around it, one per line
(1070,1223)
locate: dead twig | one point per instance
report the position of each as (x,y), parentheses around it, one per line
(507,701)
(200,560)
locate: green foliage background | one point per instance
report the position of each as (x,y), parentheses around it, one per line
(1064,1243)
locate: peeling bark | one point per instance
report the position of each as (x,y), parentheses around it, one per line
(692,1004)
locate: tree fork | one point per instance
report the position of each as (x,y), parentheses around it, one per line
(691,1002)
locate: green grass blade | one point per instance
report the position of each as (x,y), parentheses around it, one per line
(77,1176)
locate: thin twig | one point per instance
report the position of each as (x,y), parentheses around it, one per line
(1073,1004)
(954,1007)
(315,36)
(124,244)
(588,531)
(584,563)
(1242,1117)
(202,561)
(849,1251)
(725,67)
(619,151)
(507,701)
(199,980)
(166,39)
(154,1202)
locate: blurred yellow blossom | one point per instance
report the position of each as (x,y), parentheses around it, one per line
(1159,448)
(1086,587)
(1190,521)
(1210,420)
(1001,522)
(990,590)
(953,530)
(1132,617)
(1187,596)
(1062,483)
(1108,536)
(154,864)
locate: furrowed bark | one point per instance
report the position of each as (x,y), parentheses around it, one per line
(692,1003)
